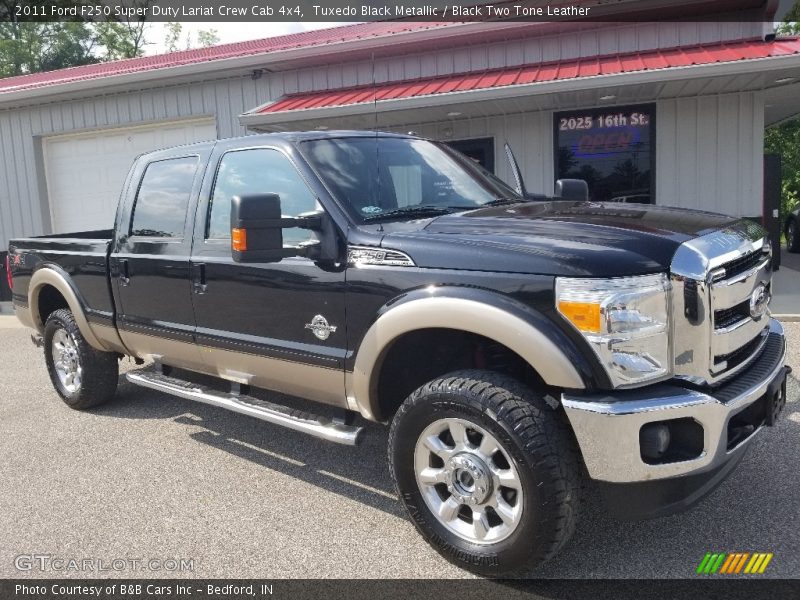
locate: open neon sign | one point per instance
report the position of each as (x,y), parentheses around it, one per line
(608,142)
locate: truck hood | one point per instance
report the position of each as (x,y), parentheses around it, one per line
(568,238)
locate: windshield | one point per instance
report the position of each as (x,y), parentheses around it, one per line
(385,176)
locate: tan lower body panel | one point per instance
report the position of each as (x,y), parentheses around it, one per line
(295,379)
(25,316)
(100,337)
(108,337)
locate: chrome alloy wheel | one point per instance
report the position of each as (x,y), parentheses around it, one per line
(468,481)
(66,362)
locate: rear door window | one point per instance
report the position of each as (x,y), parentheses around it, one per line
(163,198)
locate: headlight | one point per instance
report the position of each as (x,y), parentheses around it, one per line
(625,320)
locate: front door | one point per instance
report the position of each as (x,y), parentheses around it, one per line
(279,325)
(150,262)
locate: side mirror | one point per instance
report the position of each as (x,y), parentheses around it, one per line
(572,189)
(257,229)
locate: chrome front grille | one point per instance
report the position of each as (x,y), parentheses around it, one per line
(727,317)
(717,280)
(742,354)
(742,264)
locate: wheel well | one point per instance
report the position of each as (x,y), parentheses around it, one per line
(50,300)
(420,356)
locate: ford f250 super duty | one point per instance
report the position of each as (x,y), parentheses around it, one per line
(528,352)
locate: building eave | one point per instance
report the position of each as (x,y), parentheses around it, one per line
(306,55)
(255,119)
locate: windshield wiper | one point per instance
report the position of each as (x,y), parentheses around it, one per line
(506,200)
(411,211)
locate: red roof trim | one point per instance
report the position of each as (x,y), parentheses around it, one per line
(333,35)
(536,73)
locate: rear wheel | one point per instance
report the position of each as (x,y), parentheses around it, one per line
(792,237)
(82,376)
(487,471)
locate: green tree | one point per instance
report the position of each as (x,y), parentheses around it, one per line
(172,36)
(784,139)
(207,37)
(121,40)
(174,32)
(34,46)
(790,19)
(125,38)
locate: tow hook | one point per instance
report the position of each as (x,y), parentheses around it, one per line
(37,340)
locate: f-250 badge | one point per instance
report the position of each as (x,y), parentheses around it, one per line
(320,328)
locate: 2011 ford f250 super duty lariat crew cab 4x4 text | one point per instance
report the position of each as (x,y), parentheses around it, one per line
(518,346)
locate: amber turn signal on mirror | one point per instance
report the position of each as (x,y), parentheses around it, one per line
(239,240)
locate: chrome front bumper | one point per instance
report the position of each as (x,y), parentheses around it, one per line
(607,425)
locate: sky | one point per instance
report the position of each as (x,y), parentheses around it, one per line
(229,32)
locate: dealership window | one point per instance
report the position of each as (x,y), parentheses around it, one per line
(613,149)
(163,198)
(481,150)
(259,171)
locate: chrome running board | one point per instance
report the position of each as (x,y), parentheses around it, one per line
(321,427)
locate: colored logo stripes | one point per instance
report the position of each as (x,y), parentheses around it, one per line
(734,563)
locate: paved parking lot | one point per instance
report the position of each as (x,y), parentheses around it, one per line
(786,287)
(151,476)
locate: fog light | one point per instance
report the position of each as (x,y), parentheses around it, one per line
(671,441)
(654,440)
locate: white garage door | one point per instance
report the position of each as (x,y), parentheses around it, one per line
(85,172)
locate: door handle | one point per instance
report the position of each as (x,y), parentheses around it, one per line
(124,273)
(199,278)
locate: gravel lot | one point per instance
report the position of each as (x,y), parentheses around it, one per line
(151,476)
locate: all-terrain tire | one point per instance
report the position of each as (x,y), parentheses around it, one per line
(533,438)
(98,371)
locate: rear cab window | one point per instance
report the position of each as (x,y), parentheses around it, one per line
(163,198)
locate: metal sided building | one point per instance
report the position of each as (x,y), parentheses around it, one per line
(666,112)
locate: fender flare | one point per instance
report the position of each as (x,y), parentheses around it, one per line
(475,311)
(47,275)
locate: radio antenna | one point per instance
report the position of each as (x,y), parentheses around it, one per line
(374,91)
(377,198)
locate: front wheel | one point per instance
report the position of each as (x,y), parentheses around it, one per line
(82,376)
(487,471)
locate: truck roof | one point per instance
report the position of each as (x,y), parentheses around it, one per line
(289,136)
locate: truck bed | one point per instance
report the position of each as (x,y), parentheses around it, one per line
(80,241)
(82,256)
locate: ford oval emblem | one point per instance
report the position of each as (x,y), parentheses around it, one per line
(759,301)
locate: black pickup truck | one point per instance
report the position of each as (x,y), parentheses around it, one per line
(526,351)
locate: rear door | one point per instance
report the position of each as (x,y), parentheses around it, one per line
(150,259)
(277,325)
